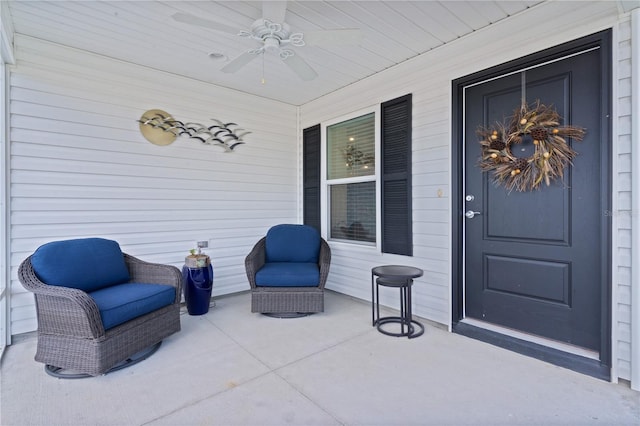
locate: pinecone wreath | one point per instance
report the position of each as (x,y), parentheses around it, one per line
(551,151)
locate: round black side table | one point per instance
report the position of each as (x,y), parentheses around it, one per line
(397,276)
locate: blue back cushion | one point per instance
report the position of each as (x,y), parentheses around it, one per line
(292,243)
(87,264)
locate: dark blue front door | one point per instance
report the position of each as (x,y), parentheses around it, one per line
(534,259)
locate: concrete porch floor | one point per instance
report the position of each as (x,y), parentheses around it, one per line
(232,367)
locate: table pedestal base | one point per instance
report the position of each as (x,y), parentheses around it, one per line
(411,330)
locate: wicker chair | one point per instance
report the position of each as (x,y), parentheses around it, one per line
(82,331)
(287,271)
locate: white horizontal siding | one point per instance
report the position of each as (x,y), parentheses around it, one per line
(429,78)
(622,214)
(80,166)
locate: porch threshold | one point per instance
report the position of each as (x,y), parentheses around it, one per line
(581,364)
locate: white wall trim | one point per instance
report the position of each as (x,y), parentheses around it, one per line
(5,279)
(300,157)
(635,199)
(613,225)
(6,34)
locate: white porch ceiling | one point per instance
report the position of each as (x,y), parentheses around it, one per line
(144,32)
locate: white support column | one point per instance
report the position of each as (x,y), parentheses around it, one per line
(635,199)
(6,57)
(5,335)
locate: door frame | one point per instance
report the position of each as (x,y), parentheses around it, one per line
(597,368)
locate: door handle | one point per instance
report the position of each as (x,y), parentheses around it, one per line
(470,214)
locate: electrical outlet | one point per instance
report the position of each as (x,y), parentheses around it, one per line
(203,244)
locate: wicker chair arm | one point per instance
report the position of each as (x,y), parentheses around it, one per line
(156,273)
(254,261)
(324,261)
(62,310)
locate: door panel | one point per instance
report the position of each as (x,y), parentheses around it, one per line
(533,259)
(548,207)
(547,281)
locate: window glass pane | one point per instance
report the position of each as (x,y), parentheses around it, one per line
(351,148)
(353,211)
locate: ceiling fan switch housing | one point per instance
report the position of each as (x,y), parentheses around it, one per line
(271,44)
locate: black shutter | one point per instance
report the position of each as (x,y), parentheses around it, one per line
(397,233)
(311,176)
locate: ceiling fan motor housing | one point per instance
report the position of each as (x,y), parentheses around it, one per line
(273,35)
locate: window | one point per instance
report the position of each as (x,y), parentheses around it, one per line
(363,194)
(351,179)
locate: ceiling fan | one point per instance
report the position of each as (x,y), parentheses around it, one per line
(273,35)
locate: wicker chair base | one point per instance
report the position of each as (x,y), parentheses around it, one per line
(288,315)
(61,373)
(287,300)
(95,357)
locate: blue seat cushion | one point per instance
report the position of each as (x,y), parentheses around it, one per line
(121,303)
(87,264)
(285,274)
(292,243)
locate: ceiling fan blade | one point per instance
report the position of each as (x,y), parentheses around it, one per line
(274,11)
(333,37)
(239,62)
(206,23)
(300,67)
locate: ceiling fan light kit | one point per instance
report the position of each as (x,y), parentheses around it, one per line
(275,37)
